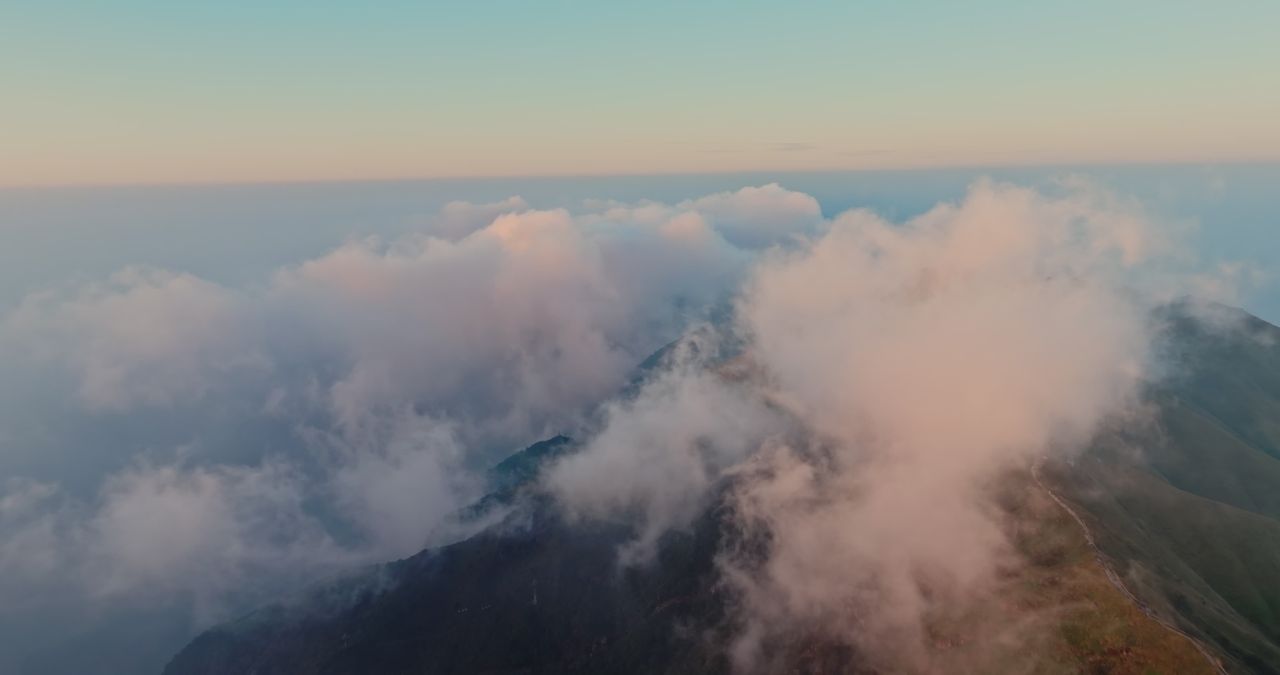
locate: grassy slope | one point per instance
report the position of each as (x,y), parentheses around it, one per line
(1189,507)
(1055,611)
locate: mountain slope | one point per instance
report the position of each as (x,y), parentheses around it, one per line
(1187,506)
(1184,507)
(533,597)
(540,596)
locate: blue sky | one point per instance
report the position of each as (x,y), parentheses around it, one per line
(129,91)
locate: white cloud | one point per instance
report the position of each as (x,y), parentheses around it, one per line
(888,370)
(920,358)
(757,217)
(386,375)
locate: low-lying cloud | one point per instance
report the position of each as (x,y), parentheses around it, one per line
(919,360)
(179,439)
(171,439)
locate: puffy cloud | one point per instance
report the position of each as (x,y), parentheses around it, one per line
(757,217)
(512,331)
(33,541)
(144,337)
(509,329)
(339,411)
(216,537)
(931,355)
(917,360)
(457,219)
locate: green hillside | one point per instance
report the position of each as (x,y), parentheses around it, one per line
(1187,504)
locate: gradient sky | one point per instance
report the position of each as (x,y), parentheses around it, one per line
(139,91)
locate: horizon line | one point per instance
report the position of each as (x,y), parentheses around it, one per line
(995,166)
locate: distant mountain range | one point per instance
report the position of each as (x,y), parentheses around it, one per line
(1179,572)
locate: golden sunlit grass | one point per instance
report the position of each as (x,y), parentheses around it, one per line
(1061,601)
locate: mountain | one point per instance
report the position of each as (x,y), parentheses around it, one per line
(1181,554)
(547,597)
(1186,505)
(521,597)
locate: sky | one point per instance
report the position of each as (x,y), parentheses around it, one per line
(136,91)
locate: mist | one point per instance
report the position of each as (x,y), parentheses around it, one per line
(184,446)
(887,375)
(197,448)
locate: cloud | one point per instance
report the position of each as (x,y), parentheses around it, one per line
(510,329)
(457,219)
(196,443)
(231,443)
(658,454)
(403,486)
(222,536)
(931,355)
(889,372)
(201,532)
(756,217)
(143,337)
(32,540)
(515,329)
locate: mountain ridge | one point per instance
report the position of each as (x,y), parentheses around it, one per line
(559,602)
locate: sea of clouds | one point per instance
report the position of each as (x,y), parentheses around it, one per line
(187,444)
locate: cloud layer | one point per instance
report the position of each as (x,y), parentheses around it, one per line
(889,372)
(171,440)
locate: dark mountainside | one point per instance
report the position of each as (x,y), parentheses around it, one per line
(522,596)
(1185,508)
